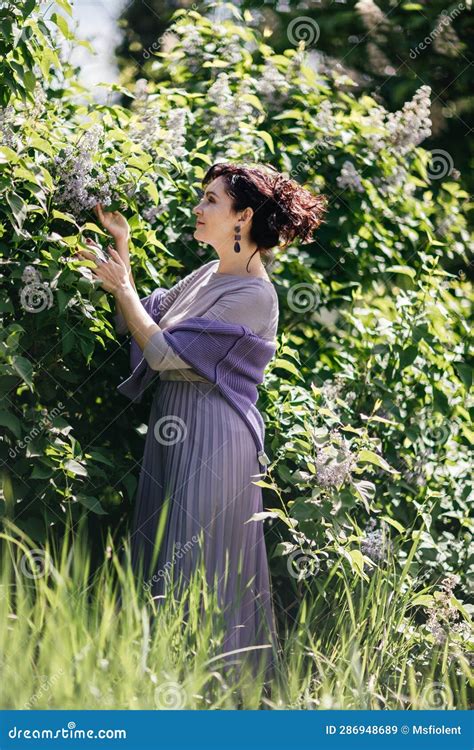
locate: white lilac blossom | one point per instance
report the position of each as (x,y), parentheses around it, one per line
(8,137)
(350,178)
(378,60)
(146,129)
(373,17)
(40,102)
(325,119)
(334,463)
(175,134)
(398,179)
(190,38)
(446,41)
(152,212)
(443,616)
(375,119)
(271,83)
(234,109)
(219,92)
(81,180)
(376,543)
(220,46)
(154,126)
(412,124)
(331,388)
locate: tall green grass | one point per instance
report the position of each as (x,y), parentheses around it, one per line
(73,637)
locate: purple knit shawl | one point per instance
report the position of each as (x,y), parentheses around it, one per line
(229,355)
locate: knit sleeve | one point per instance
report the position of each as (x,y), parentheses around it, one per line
(254,307)
(160,355)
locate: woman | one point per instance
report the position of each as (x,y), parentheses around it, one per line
(200,463)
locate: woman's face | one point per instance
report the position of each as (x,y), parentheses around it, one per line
(216,221)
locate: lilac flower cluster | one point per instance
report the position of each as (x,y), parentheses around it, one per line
(412,124)
(334,462)
(398,133)
(199,49)
(8,137)
(153,129)
(81,180)
(376,543)
(234,115)
(272,84)
(446,41)
(443,617)
(350,178)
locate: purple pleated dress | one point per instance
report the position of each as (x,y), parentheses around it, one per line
(198,470)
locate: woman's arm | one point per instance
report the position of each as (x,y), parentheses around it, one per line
(139,323)
(124,252)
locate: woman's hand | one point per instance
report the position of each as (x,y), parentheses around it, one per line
(114,222)
(113,274)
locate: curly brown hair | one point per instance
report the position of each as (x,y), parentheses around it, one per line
(283,209)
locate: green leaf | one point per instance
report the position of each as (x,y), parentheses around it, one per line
(425,600)
(403,269)
(75,468)
(408,356)
(92,503)
(366,492)
(262,516)
(7,419)
(253,100)
(62,24)
(65,5)
(7,155)
(394,523)
(357,560)
(18,207)
(267,138)
(65,217)
(24,369)
(465,373)
(284,364)
(440,401)
(370,457)
(63,299)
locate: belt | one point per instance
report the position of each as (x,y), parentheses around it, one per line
(187,375)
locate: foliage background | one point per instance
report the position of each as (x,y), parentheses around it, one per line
(368,404)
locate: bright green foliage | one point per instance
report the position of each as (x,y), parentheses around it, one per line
(373,370)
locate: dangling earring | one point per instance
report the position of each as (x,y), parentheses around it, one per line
(237,239)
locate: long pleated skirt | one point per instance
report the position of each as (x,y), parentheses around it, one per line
(196,489)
